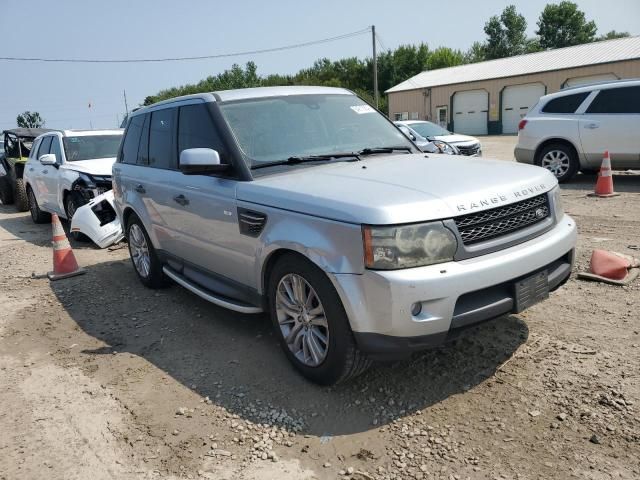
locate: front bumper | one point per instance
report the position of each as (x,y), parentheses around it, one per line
(453,295)
(98,221)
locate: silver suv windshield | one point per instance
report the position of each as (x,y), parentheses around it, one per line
(274,129)
(91,147)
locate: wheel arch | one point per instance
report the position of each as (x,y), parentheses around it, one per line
(272,259)
(557,140)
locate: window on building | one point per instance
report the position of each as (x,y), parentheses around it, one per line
(397,116)
(565,104)
(616,100)
(414,116)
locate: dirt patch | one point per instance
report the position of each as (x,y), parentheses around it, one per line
(102,378)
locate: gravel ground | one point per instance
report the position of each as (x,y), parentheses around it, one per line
(101,378)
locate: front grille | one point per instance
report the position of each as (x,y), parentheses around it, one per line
(481,226)
(469,149)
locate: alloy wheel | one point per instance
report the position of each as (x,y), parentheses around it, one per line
(139,250)
(557,162)
(302,320)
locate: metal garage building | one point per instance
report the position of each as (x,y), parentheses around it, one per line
(491,97)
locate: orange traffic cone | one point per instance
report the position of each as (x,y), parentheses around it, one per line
(604,185)
(64,261)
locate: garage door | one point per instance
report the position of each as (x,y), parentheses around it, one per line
(574,82)
(516,102)
(470,112)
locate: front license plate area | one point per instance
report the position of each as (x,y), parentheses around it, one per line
(531,290)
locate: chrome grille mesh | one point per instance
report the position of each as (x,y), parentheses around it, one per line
(496,222)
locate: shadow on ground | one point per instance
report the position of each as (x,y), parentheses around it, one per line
(622,182)
(236,361)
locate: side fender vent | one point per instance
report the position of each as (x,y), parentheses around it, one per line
(251,223)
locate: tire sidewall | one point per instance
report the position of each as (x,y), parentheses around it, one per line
(156,277)
(333,366)
(574,165)
(37,215)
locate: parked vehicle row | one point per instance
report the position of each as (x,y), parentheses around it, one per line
(569,131)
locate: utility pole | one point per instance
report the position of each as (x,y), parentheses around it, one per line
(126,108)
(375,66)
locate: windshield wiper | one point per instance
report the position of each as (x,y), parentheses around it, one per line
(308,158)
(372,151)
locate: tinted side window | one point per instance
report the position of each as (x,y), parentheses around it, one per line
(566,104)
(196,129)
(161,134)
(34,150)
(616,100)
(45,146)
(143,150)
(129,153)
(55,149)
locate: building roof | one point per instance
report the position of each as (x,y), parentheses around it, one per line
(569,57)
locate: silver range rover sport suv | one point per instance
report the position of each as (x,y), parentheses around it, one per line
(309,205)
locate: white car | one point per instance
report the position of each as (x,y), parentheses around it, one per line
(68,169)
(466,144)
(570,130)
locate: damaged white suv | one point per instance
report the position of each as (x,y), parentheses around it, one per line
(68,169)
(308,204)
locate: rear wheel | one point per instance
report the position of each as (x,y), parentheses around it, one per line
(6,193)
(143,255)
(311,323)
(559,159)
(37,215)
(20,196)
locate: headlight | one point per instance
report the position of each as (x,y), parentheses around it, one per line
(444,147)
(557,203)
(391,248)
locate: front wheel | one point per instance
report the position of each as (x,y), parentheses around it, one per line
(559,159)
(311,323)
(37,215)
(20,196)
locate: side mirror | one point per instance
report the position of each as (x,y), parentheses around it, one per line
(200,161)
(48,159)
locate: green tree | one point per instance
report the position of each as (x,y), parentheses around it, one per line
(613,34)
(476,53)
(443,57)
(505,34)
(30,120)
(563,25)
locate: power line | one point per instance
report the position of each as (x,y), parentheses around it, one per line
(179,59)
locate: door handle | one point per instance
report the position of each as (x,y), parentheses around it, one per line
(181,199)
(592,125)
(45,171)
(139,188)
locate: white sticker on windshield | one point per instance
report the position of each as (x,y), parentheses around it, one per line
(360,109)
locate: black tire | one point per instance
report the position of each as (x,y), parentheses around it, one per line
(563,175)
(72,202)
(37,215)
(343,360)
(6,193)
(20,196)
(156,277)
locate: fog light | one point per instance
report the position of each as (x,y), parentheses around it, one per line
(416,309)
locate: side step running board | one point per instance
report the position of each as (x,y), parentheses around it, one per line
(237,307)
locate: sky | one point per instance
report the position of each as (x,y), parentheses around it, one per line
(126,29)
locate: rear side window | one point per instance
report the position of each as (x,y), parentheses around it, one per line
(197,130)
(131,140)
(162,152)
(616,100)
(45,146)
(565,104)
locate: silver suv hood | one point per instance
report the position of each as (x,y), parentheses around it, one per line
(398,188)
